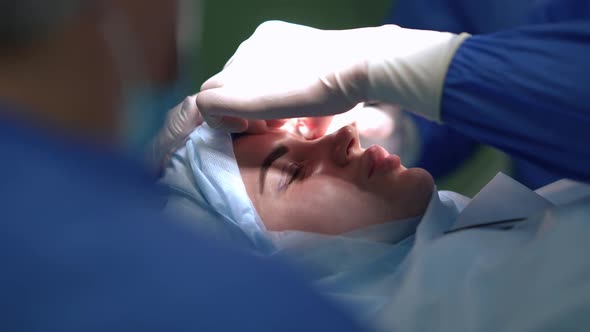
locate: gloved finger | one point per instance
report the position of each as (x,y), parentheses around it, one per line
(275,124)
(189,114)
(227,123)
(180,122)
(317,126)
(214,82)
(312,100)
(257,127)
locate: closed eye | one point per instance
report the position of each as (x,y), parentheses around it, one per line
(297,173)
(291,173)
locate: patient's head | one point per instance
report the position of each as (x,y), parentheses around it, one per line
(328,185)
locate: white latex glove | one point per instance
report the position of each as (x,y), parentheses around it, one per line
(180,122)
(286,70)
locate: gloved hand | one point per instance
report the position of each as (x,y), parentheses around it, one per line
(286,70)
(180,122)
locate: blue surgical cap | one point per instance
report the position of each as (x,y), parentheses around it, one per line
(206,189)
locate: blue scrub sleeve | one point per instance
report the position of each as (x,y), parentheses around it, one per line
(526,91)
(481,16)
(442,149)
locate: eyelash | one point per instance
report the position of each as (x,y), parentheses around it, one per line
(292,172)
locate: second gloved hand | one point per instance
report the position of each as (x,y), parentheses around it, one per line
(286,70)
(180,122)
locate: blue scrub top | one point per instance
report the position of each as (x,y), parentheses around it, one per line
(523,90)
(83,248)
(526,92)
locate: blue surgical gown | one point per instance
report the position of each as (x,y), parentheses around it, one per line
(523,89)
(82,248)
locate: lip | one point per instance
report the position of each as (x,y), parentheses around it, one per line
(378,160)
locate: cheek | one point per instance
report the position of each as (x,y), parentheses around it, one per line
(332,207)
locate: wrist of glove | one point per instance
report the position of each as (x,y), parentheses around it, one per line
(410,70)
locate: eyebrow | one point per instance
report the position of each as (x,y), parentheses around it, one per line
(276,153)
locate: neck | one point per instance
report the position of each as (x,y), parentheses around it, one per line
(64,82)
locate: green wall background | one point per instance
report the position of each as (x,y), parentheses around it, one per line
(229,22)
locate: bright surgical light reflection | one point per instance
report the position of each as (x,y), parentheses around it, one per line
(297,126)
(290,126)
(384,125)
(371,122)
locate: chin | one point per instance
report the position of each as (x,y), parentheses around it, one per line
(419,176)
(419,186)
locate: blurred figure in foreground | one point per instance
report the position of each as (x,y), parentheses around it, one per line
(84,246)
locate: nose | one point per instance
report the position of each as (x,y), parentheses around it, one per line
(341,144)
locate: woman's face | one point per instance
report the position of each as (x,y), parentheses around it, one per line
(329,185)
